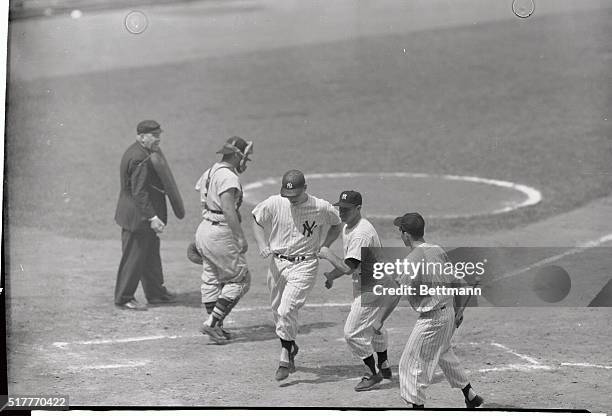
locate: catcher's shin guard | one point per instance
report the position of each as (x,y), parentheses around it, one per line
(210,306)
(221,309)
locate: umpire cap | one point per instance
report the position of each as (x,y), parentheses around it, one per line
(148,126)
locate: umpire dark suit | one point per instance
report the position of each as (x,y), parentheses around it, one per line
(141,198)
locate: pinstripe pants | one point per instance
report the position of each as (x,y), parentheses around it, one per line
(429,344)
(289,284)
(358,333)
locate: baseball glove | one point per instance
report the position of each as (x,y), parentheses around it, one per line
(193,254)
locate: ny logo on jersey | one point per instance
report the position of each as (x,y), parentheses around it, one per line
(308,228)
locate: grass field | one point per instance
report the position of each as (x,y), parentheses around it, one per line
(526,101)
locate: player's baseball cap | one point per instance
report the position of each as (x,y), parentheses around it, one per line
(293,183)
(148,126)
(349,199)
(411,223)
(232,144)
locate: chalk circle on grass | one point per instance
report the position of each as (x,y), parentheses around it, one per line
(389,194)
(136,22)
(551,283)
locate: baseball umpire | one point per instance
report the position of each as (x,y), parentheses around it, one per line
(142,214)
(295,220)
(220,239)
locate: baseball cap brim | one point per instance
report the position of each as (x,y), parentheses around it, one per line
(398,221)
(344,204)
(291,192)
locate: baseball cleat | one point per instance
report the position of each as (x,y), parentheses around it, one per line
(214,333)
(368,382)
(226,334)
(283,371)
(292,355)
(474,403)
(386,373)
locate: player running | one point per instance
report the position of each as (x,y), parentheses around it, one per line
(429,343)
(294,220)
(366,308)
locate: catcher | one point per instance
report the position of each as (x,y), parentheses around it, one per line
(220,243)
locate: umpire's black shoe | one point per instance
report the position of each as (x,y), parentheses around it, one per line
(474,403)
(132,305)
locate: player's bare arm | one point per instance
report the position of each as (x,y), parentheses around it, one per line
(337,262)
(332,235)
(228,206)
(260,239)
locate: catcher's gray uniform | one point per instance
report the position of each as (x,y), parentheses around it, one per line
(224,270)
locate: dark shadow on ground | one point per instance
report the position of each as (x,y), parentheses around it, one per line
(266,332)
(335,373)
(189,299)
(491,405)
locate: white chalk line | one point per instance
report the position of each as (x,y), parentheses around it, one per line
(583,247)
(587,365)
(115,341)
(525,357)
(532,195)
(130,364)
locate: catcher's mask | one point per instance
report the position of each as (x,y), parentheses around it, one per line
(241,147)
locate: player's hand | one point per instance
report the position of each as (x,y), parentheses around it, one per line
(458,319)
(377,326)
(243,246)
(157,225)
(324,253)
(329,282)
(265,252)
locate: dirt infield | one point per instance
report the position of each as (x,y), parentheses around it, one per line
(451,93)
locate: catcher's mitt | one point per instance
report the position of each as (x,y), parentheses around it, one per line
(193,254)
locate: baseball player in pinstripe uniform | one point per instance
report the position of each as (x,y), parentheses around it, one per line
(220,239)
(429,343)
(359,334)
(295,221)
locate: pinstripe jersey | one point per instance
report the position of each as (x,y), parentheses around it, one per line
(362,234)
(295,230)
(429,254)
(220,177)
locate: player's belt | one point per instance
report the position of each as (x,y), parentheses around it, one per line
(214,211)
(213,222)
(433,311)
(293,259)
